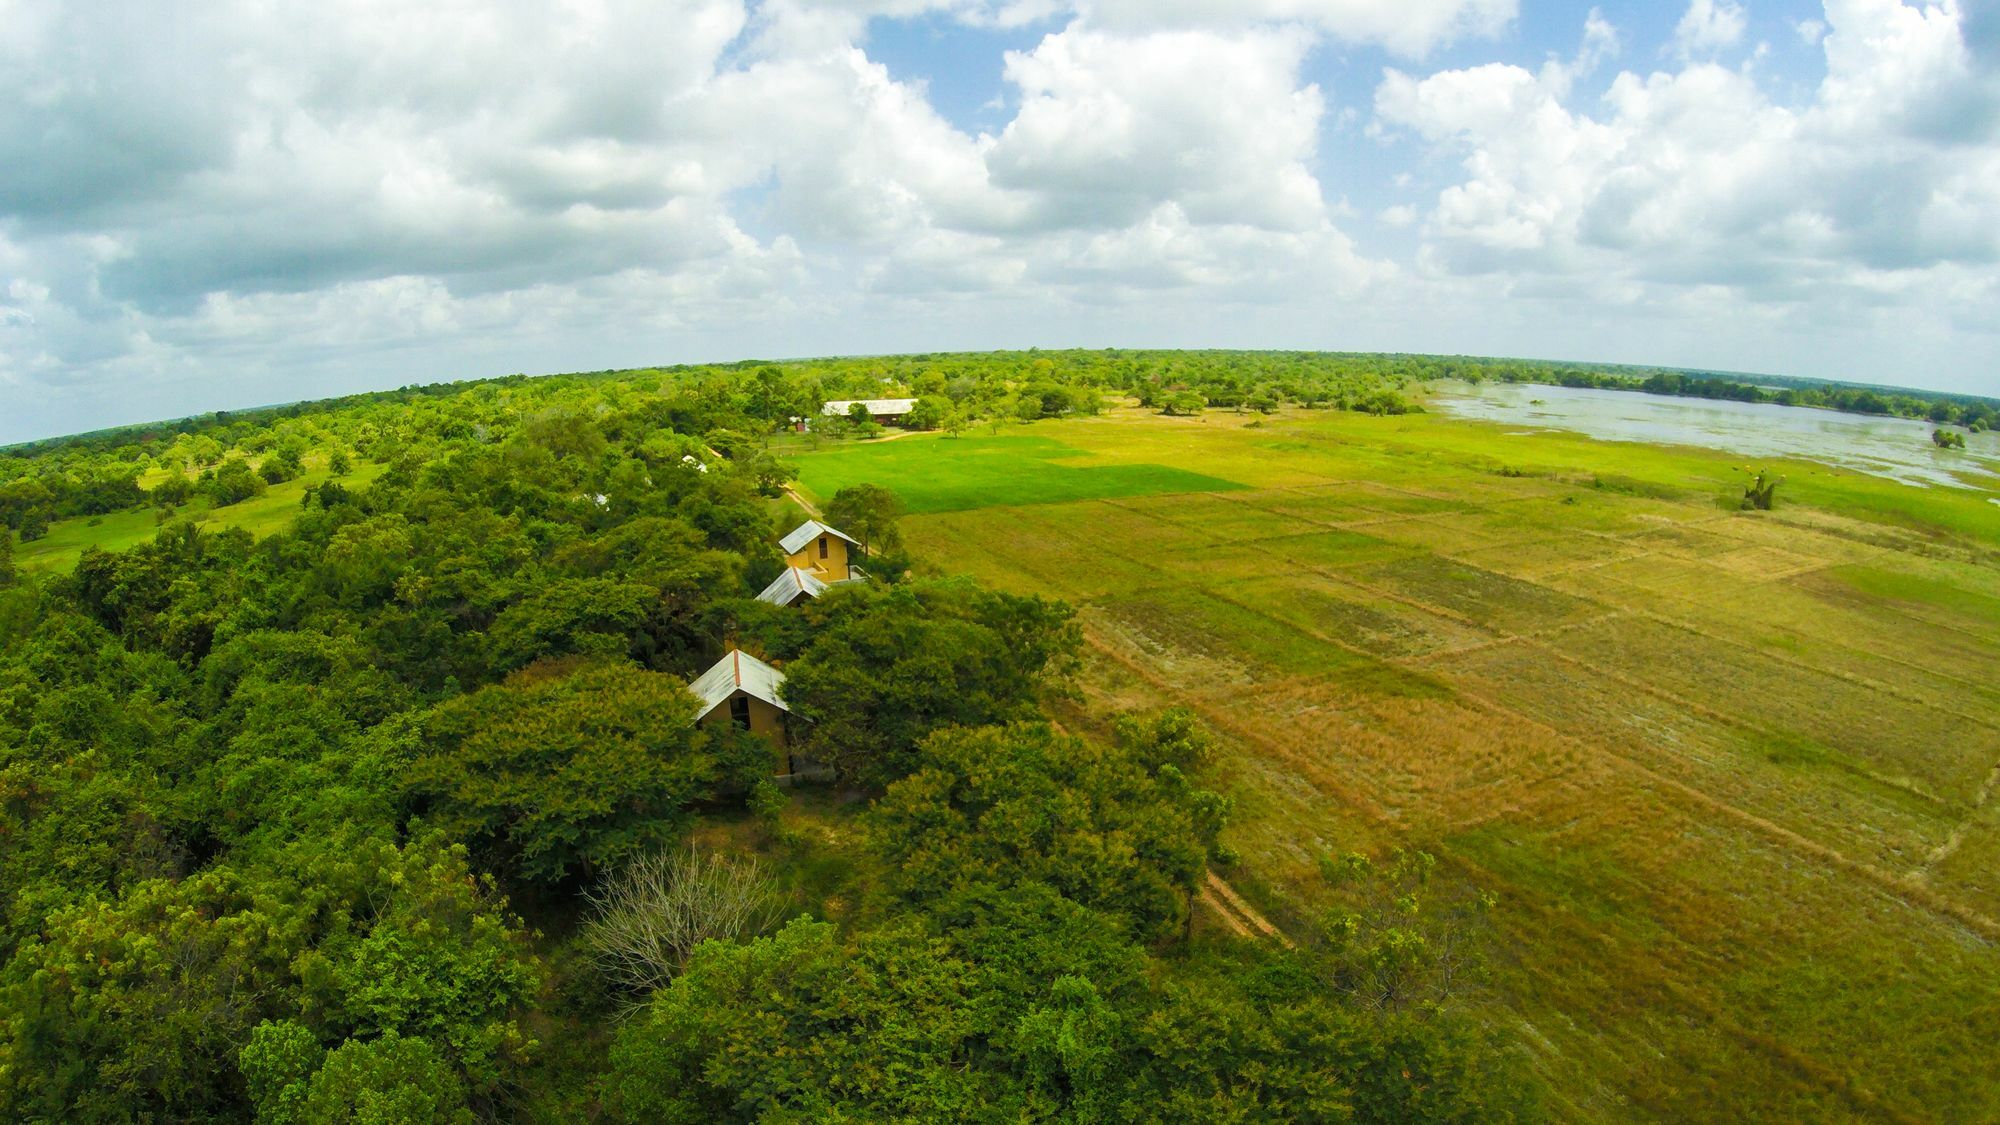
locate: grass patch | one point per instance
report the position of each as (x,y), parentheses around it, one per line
(1492,601)
(1794,750)
(1917,589)
(67,539)
(1331,504)
(1971,873)
(1258,646)
(1632,486)
(1353,616)
(939,474)
(1588,881)
(1655,807)
(1897,739)
(261,515)
(1242,519)
(1044,549)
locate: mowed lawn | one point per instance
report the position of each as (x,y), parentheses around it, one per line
(1730,774)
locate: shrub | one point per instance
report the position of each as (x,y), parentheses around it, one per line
(232,482)
(173,491)
(650,918)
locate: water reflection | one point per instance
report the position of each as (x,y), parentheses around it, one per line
(1897,448)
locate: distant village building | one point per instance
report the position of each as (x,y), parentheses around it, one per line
(881,411)
(824,552)
(789,587)
(744,690)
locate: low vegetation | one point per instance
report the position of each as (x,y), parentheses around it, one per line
(654,913)
(1716,782)
(1761,492)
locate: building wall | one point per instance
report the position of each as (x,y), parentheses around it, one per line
(832,568)
(766,722)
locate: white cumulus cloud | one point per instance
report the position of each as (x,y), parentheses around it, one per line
(355,178)
(1875,193)
(1408,27)
(1111,126)
(1709,26)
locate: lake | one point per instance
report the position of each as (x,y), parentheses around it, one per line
(1898,448)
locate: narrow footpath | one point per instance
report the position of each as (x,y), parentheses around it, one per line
(1241,918)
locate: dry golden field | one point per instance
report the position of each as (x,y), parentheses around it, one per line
(1730,774)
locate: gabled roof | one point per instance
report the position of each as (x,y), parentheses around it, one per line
(809,531)
(738,671)
(790,586)
(873,405)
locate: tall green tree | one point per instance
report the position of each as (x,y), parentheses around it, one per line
(1025,804)
(564,769)
(797,1026)
(392,1080)
(232,482)
(891,665)
(870,513)
(134,1007)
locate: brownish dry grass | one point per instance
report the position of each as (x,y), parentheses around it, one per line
(1731,774)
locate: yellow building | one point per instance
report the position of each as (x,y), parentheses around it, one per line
(791,587)
(744,690)
(826,554)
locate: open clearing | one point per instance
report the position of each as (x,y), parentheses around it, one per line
(269,511)
(1731,774)
(1015,468)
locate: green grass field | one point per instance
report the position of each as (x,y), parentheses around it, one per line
(956,474)
(1730,774)
(259,515)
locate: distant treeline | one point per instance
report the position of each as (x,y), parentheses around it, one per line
(1002,383)
(225,457)
(1970,411)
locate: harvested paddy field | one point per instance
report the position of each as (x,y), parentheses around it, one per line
(1730,774)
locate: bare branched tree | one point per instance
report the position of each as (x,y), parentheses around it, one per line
(1398,939)
(651,916)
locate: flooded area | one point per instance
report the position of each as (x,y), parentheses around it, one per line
(1898,448)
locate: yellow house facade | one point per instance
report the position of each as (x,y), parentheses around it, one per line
(745,691)
(825,553)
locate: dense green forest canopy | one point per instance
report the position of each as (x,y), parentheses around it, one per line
(331,824)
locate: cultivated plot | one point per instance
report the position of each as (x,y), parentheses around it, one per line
(1730,774)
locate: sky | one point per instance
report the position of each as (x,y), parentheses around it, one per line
(244,202)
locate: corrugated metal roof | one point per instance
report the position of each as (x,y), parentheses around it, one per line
(790,586)
(738,671)
(809,531)
(874,405)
